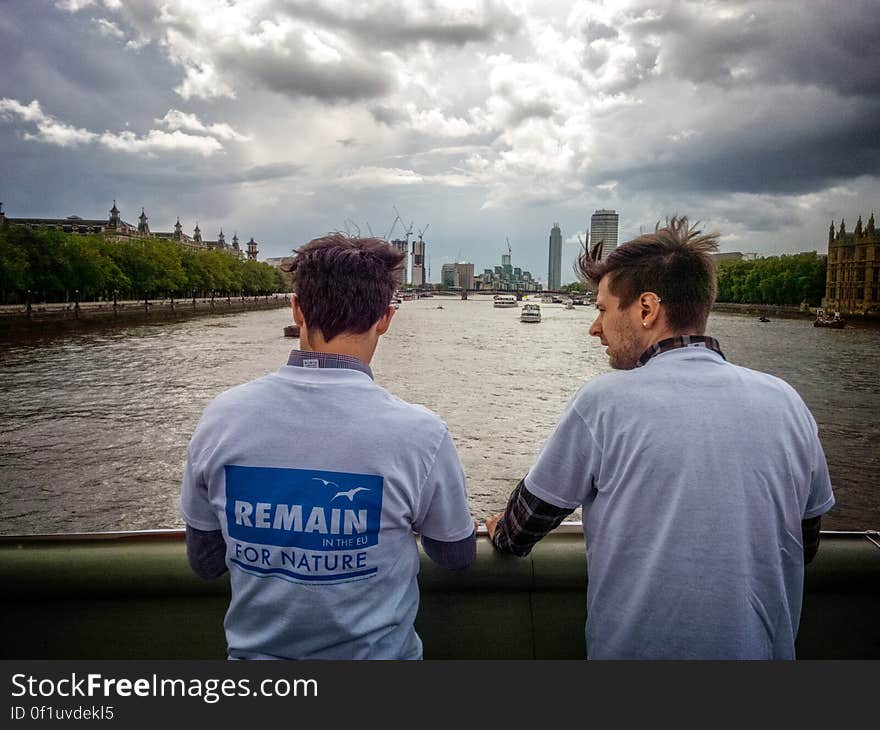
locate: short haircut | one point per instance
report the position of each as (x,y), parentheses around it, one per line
(344,284)
(673,262)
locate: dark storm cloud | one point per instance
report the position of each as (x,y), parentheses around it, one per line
(778,98)
(834,45)
(529,110)
(294,74)
(768,160)
(387,115)
(210,176)
(397,24)
(286,66)
(594,30)
(62,60)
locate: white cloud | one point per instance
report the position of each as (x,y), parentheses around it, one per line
(435,123)
(73,6)
(682,135)
(55,132)
(175,119)
(49,129)
(108,28)
(10,108)
(136,44)
(371,177)
(159,141)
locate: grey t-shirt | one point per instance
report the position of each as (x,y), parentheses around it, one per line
(318,479)
(694,475)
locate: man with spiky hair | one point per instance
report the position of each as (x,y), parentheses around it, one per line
(308,484)
(701,482)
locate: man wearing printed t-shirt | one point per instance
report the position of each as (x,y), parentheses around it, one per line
(307,484)
(702,483)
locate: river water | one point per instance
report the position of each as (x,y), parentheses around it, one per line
(94,426)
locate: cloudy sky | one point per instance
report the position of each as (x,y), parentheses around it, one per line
(481,121)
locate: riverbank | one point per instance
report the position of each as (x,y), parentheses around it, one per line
(778,310)
(869,321)
(41,318)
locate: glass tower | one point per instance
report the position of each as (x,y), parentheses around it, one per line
(554,265)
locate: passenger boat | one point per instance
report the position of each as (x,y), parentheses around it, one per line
(292,330)
(132,595)
(505,300)
(530,313)
(823,319)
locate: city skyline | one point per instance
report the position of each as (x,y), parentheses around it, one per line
(484,120)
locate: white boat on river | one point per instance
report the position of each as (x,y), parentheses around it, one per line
(505,300)
(530,313)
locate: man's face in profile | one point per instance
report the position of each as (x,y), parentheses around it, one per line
(618,330)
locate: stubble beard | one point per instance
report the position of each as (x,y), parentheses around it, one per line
(626,355)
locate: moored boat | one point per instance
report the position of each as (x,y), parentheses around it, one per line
(834,321)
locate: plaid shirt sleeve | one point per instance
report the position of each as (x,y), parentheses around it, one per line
(526,520)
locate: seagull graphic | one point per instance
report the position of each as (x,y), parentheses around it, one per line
(350,493)
(325,482)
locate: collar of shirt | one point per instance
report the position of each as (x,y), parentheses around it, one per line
(674,343)
(303,359)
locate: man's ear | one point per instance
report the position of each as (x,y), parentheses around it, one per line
(385,321)
(298,318)
(649,303)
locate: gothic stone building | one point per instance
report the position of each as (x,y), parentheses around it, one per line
(117,229)
(851,284)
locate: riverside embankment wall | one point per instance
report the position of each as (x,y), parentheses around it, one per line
(22,319)
(779,310)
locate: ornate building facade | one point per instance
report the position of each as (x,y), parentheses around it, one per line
(852,283)
(115,228)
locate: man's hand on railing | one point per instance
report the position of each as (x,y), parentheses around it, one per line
(492,524)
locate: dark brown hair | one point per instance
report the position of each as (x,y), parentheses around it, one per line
(673,262)
(345,284)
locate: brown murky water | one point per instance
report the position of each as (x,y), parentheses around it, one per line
(94,427)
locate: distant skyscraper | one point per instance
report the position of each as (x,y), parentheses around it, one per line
(418,263)
(447,274)
(401,245)
(464,275)
(554,266)
(603,226)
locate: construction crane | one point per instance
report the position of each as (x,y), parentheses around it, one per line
(393,224)
(422,232)
(356,226)
(508,245)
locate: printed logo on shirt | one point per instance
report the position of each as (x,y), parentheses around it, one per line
(300,524)
(311,363)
